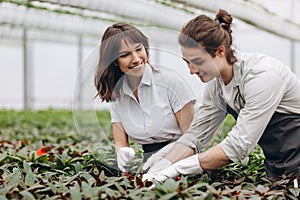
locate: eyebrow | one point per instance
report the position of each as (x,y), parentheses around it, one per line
(193,60)
(136,47)
(184,59)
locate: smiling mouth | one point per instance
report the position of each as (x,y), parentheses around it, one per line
(138,66)
(201,74)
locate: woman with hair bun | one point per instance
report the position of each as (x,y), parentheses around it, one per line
(260,92)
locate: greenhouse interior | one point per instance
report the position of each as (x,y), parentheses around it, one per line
(57,139)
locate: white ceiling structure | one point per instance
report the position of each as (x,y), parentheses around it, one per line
(91,17)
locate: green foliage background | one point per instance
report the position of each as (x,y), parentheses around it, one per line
(74,165)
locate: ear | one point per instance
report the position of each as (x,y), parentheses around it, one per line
(221,51)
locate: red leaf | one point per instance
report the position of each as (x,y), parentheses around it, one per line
(41,151)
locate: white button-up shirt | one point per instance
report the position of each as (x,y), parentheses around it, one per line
(152,119)
(262,86)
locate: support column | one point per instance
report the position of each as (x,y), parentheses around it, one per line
(80,73)
(28,72)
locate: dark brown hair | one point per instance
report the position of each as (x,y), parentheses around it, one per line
(209,33)
(108,73)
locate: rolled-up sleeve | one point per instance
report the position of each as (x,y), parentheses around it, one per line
(114,113)
(263,93)
(207,119)
(179,91)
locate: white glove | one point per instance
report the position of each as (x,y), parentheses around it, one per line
(160,165)
(158,156)
(190,165)
(153,171)
(124,156)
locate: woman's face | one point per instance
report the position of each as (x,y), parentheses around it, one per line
(201,63)
(132,58)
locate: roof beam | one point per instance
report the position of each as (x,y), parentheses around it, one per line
(250,13)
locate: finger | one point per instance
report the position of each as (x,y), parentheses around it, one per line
(131,153)
(160,165)
(148,163)
(153,159)
(161,178)
(121,167)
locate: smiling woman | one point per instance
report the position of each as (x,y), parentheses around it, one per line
(149,106)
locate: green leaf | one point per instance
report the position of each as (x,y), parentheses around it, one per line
(26,166)
(168,196)
(159,188)
(42,159)
(30,178)
(90,179)
(120,189)
(112,193)
(59,163)
(64,157)
(75,194)
(35,187)
(78,167)
(5,190)
(86,190)
(11,159)
(170,185)
(15,178)
(32,157)
(27,195)
(295,191)
(142,193)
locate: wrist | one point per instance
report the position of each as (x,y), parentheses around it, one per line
(190,165)
(160,165)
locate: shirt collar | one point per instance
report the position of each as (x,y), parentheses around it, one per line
(237,69)
(147,76)
(146,80)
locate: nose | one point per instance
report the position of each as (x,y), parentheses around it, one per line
(135,57)
(193,69)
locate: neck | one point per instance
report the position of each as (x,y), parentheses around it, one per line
(227,74)
(134,82)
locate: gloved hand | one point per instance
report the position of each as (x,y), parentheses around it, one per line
(189,165)
(155,158)
(160,165)
(153,171)
(124,156)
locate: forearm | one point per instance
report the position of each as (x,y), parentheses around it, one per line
(120,136)
(213,158)
(179,152)
(185,116)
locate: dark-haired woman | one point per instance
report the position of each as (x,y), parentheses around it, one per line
(259,91)
(151,107)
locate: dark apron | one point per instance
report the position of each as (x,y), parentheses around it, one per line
(280,143)
(150,149)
